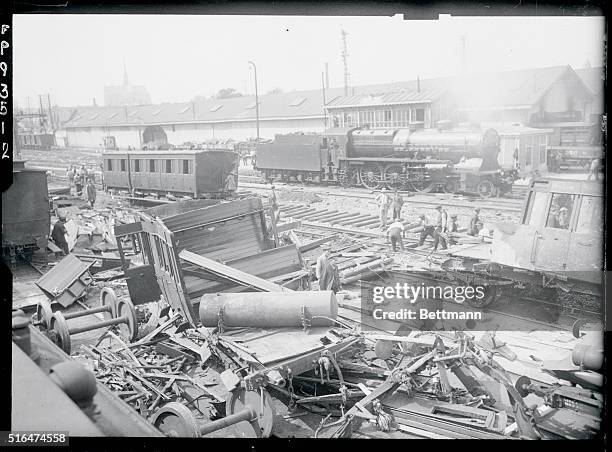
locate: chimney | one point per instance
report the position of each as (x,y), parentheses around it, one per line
(326,75)
(418,84)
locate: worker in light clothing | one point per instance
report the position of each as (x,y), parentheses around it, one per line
(70,177)
(383,200)
(398,202)
(91,193)
(594,169)
(474,222)
(441,228)
(395,233)
(58,235)
(327,273)
(423,226)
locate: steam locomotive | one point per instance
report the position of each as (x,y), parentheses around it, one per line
(422,160)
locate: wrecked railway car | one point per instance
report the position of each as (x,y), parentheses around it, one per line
(26,218)
(210,173)
(193,248)
(46,381)
(557,245)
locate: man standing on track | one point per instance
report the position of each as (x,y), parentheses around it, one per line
(91,193)
(327,273)
(383,200)
(398,202)
(441,228)
(474,221)
(58,235)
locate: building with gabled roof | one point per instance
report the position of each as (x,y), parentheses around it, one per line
(525,96)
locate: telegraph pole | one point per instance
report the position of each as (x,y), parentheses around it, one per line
(345,61)
(256,102)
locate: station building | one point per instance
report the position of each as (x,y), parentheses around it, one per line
(514,99)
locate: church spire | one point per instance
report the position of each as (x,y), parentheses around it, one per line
(125,74)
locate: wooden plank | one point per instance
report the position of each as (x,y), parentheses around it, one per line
(316,243)
(230,273)
(288,226)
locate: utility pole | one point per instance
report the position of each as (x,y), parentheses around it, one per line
(50,113)
(256,103)
(324,101)
(42,113)
(343,33)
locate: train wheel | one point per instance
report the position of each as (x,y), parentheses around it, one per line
(450,186)
(486,189)
(393,176)
(371,176)
(491,293)
(423,186)
(347,178)
(419,181)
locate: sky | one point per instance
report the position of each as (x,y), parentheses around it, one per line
(72,57)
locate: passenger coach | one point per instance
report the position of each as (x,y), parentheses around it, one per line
(199,173)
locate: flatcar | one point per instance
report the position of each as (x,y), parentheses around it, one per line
(196,173)
(422,160)
(26,217)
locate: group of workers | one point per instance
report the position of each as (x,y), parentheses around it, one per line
(79,178)
(440,230)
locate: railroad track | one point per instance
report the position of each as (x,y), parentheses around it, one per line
(432,200)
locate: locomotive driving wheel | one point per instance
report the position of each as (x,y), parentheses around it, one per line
(486,189)
(450,186)
(394,177)
(371,176)
(420,182)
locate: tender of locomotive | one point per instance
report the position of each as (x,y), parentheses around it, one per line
(197,173)
(25,211)
(423,160)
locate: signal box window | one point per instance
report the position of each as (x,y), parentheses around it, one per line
(420,114)
(186,167)
(109,164)
(590,216)
(151,166)
(560,211)
(122,164)
(137,166)
(537,201)
(168,166)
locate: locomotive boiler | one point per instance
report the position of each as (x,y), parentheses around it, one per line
(423,160)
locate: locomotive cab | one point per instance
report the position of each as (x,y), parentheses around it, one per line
(561,231)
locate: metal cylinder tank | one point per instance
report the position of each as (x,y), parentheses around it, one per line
(267,309)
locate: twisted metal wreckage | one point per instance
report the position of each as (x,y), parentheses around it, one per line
(252,321)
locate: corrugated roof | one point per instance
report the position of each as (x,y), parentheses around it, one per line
(509,89)
(397,97)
